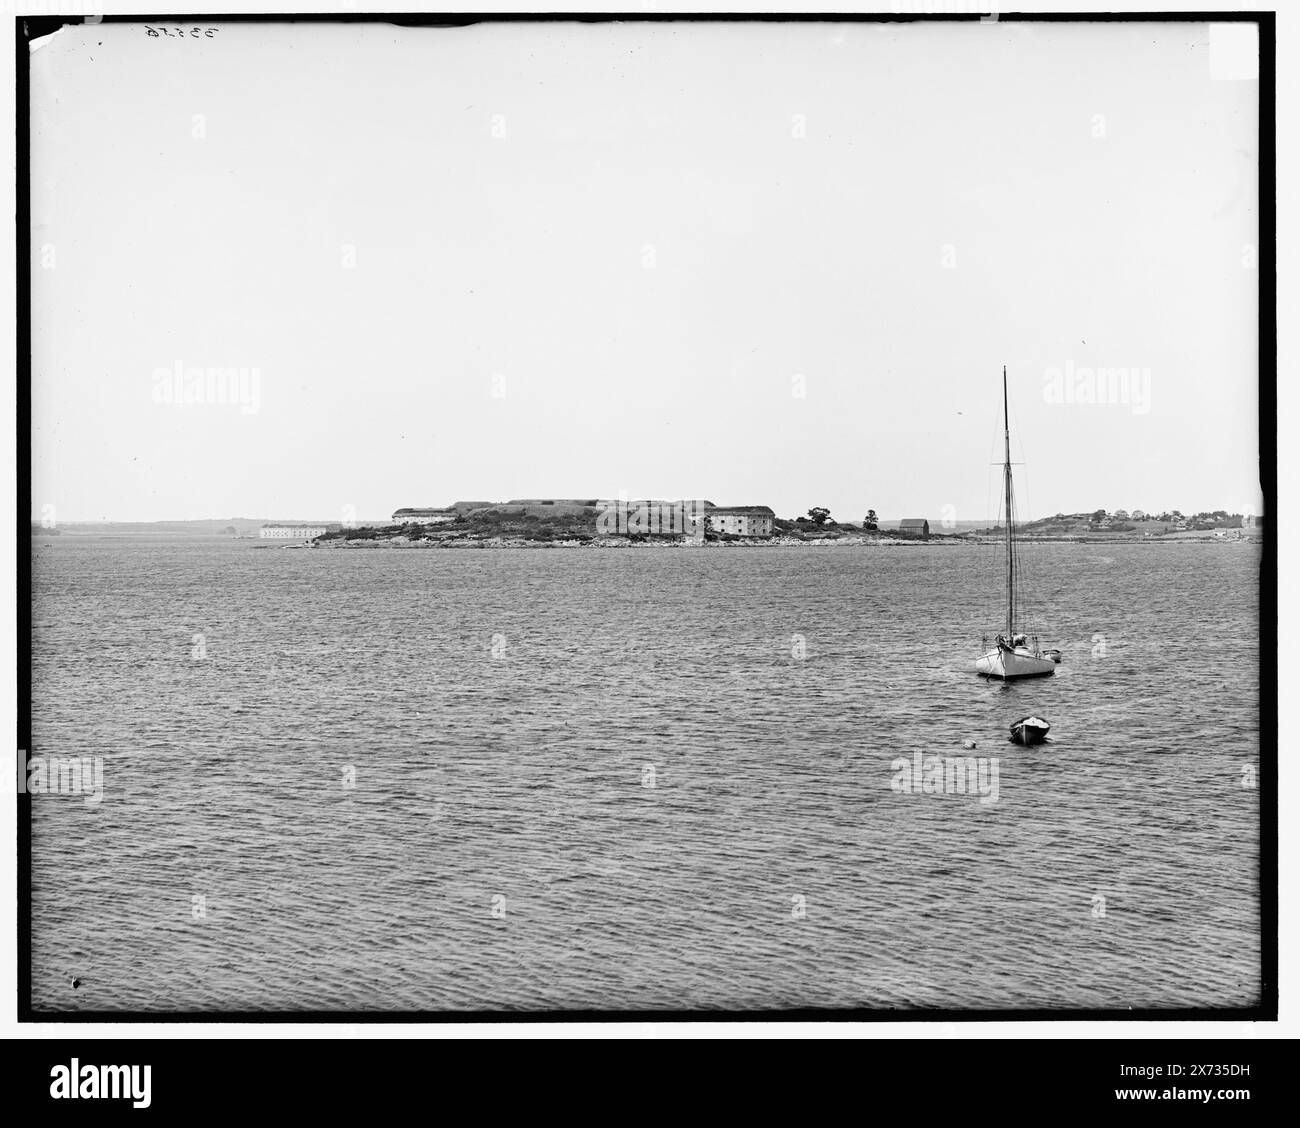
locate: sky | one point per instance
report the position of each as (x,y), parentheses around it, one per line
(761,264)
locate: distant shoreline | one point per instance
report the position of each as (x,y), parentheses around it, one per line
(389,538)
(616,543)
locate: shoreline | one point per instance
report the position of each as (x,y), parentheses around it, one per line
(619,543)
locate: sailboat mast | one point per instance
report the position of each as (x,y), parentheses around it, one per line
(1006,476)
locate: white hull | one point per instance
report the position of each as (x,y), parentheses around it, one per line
(1008,664)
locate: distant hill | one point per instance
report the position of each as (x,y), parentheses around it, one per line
(1100,523)
(215,526)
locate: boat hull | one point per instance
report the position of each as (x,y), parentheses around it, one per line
(1011,664)
(1030,730)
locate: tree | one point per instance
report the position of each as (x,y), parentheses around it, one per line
(819,515)
(871,521)
(1097,516)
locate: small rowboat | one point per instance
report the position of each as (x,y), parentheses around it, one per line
(1030,730)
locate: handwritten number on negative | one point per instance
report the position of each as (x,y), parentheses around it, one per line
(179,33)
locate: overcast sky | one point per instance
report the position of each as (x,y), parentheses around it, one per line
(760,264)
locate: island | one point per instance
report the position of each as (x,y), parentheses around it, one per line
(597,523)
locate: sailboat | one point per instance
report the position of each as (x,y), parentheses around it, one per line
(1014,654)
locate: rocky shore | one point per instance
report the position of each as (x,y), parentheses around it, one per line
(452,543)
(463,542)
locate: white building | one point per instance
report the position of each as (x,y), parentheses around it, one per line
(742,520)
(293,532)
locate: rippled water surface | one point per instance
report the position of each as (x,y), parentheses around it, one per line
(544,779)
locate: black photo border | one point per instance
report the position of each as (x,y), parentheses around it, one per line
(28,28)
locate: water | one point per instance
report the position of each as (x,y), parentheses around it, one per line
(505,713)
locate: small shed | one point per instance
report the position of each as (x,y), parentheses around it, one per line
(914,527)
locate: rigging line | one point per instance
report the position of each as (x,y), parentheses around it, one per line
(989,558)
(1025,570)
(988,489)
(994,437)
(1027,508)
(1012,565)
